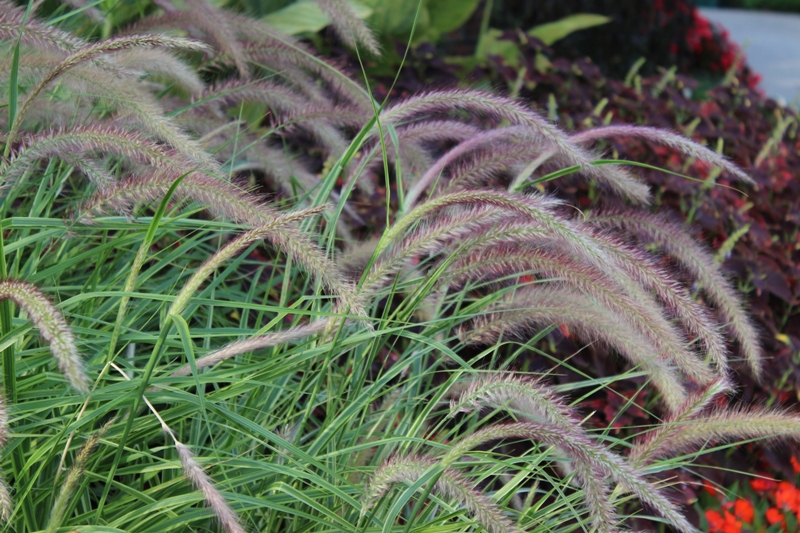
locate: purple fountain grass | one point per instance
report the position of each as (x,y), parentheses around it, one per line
(609,465)
(278,56)
(70,484)
(348,27)
(628,304)
(515,313)
(429,237)
(221,33)
(225,515)
(260,342)
(81,140)
(92,51)
(678,244)
(52,327)
(590,477)
(235,247)
(698,422)
(157,62)
(414,138)
(226,200)
(685,146)
(505,109)
(520,135)
(655,443)
(282,102)
(448,484)
(35,33)
(641,268)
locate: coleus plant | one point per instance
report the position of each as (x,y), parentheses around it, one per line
(471,257)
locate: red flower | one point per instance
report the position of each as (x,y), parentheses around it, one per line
(787,497)
(762,485)
(743,510)
(725,523)
(774,516)
(793,459)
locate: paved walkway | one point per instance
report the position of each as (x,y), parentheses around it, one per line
(771,43)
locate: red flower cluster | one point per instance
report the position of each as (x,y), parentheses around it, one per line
(732,517)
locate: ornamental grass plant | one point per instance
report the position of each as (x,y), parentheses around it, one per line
(180,234)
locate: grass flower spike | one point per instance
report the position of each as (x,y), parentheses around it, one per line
(52,327)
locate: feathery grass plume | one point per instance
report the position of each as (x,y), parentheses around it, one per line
(92,51)
(537,209)
(256,343)
(582,450)
(79,141)
(162,64)
(641,268)
(588,320)
(348,27)
(232,249)
(6,502)
(427,238)
(201,481)
(225,199)
(291,63)
(678,244)
(413,139)
(682,144)
(694,426)
(628,303)
(449,484)
(282,101)
(535,400)
(530,138)
(35,33)
(71,481)
(267,47)
(501,108)
(52,327)
(654,443)
(221,33)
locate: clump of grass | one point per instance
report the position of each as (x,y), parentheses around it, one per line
(134,204)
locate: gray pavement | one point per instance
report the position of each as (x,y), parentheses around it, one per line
(771,43)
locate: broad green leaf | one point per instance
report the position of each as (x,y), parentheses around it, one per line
(395,18)
(448,15)
(555,31)
(306,16)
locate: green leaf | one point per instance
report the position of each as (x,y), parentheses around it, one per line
(490,44)
(395,18)
(448,15)
(306,16)
(555,31)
